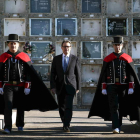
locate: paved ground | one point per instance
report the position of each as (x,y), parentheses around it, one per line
(47,126)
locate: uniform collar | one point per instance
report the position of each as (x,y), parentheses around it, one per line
(13,54)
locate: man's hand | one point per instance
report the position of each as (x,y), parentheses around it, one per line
(104,92)
(77,91)
(130,91)
(27,91)
(53,90)
(1,91)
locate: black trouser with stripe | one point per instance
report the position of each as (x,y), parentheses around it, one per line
(116,103)
(13,95)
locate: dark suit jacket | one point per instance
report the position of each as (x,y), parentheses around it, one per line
(70,78)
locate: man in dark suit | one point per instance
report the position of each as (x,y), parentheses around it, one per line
(65,82)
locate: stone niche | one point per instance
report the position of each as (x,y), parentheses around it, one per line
(91,6)
(116,26)
(66,26)
(91,27)
(21,45)
(15,6)
(40,6)
(14,26)
(136,49)
(66,6)
(91,50)
(110,48)
(90,73)
(39,49)
(43,70)
(136,27)
(40,26)
(137,68)
(73,49)
(117,6)
(136,6)
(87,95)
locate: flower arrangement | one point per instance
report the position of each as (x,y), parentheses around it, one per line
(27,47)
(52,48)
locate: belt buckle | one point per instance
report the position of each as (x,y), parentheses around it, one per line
(117,80)
(14,82)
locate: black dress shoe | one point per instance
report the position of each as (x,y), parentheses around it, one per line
(66,129)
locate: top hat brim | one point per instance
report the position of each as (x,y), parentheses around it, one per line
(12,40)
(117,42)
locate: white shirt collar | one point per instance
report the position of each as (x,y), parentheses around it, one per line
(66,55)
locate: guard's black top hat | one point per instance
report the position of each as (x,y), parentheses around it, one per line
(13,38)
(118,40)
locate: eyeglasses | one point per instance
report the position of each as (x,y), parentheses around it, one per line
(66,46)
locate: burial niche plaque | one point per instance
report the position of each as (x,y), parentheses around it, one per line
(66,6)
(136,27)
(40,6)
(91,27)
(136,50)
(91,50)
(116,6)
(43,70)
(14,26)
(91,6)
(40,27)
(66,27)
(116,27)
(15,6)
(136,6)
(39,49)
(137,68)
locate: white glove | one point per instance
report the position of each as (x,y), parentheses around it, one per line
(26,91)
(1,91)
(130,91)
(104,92)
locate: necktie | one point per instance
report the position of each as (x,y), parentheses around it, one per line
(65,63)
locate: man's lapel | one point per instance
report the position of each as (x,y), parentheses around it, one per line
(61,65)
(70,60)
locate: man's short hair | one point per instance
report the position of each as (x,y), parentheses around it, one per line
(65,41)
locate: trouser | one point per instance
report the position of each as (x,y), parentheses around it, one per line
(13,95)
(115,96)
(65,103)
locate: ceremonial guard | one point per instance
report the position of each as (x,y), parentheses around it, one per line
(20,86)
(117,94)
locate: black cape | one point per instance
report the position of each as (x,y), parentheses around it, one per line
(40,97)
(100,104)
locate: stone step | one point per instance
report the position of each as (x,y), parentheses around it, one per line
(13,119)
